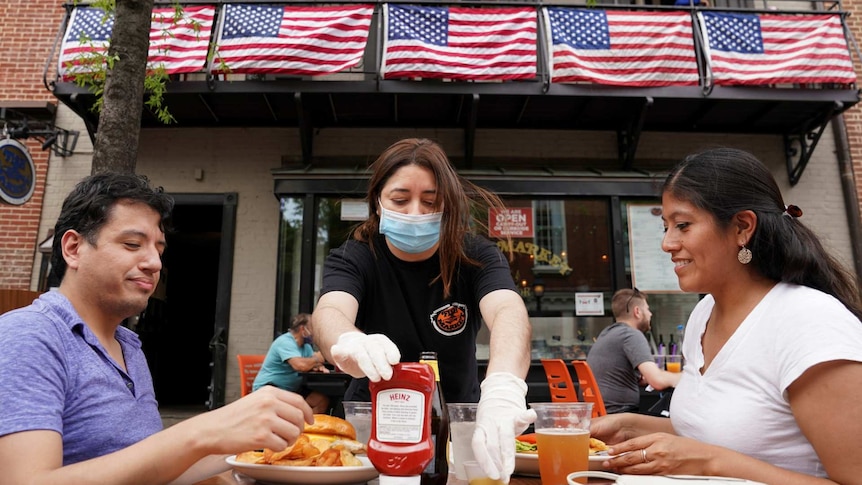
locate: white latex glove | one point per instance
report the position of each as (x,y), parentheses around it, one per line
(502,415)
(362,355)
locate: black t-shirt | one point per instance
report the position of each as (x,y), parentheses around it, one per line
(397,298)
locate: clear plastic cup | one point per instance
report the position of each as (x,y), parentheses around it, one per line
(462,423)
(674,363)
(477,476)
(358,413)
(563,439)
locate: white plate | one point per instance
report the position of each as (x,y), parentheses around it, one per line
(527,464)
(307,475)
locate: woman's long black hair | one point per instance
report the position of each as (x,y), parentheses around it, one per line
(726,181)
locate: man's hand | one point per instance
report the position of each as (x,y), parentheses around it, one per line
(501,416)
(362,355)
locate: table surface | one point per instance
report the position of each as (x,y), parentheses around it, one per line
(229,478)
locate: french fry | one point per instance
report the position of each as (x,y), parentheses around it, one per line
(255,457)
(597,445)
(308,452)
(287,462)
(300,450)
(349,459)
(321,444)
(330,457)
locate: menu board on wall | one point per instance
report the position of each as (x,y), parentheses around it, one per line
(652,269)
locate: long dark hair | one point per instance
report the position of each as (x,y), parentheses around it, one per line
(87,207)
(726,181)
(455,194)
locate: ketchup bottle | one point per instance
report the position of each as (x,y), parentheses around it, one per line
(400,446)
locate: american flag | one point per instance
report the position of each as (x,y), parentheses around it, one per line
(179,45)
(291,39)
(621,48)
(480,44)
(773,49)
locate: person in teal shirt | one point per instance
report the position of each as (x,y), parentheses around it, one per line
(290,354)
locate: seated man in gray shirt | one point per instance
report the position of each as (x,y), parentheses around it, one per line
(621,352)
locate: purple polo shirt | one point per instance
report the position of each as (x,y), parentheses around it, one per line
(55,375)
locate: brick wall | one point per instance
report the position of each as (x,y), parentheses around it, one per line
(25,44)
(853,116)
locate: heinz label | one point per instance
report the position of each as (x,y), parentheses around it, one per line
(400,415)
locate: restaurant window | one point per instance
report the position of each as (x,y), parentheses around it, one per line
(566,245)
(333,219)
(669,308)
(336,220)
(290,254)
(562,245)
(550,231)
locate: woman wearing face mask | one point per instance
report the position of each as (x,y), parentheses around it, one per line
(290,354)
(414,277)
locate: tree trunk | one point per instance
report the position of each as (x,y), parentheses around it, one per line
(116,147)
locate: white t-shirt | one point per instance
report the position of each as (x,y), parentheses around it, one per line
(741,401)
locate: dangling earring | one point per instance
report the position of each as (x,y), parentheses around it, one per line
(744,255)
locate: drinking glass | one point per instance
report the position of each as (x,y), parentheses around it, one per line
(674,363)
(563,439)
(358,413)
(477,476)
(462,423)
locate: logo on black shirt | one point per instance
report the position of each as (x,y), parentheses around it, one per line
(450,319)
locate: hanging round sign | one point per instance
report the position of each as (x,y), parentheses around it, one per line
(17,173)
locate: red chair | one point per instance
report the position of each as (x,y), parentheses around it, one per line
(559,381)
(589,387)
(249,366)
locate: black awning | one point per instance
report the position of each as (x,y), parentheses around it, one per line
(514,105)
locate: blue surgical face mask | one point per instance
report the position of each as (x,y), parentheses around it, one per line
(409,233)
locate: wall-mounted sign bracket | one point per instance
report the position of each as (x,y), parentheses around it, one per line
(799,146)
(19,126)
(628,137)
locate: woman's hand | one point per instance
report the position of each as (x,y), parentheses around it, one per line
(616,428)
(613,428)
(660,454)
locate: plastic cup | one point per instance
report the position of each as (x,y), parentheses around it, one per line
(477,476)
(462,423)
(563,439)
(358,413)
(674,363)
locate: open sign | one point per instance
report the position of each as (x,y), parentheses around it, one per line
(515,222)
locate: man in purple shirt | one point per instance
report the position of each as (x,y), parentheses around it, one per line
(76,397)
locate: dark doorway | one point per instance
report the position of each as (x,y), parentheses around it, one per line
(179,323)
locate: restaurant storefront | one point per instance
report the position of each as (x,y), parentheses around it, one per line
(288,153)
(285,221)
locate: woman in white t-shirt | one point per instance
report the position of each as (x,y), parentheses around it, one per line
(772,382)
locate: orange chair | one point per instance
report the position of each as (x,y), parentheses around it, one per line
(559,381)
(249,366)
(589,387)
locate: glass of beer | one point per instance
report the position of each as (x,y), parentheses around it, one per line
(562,439)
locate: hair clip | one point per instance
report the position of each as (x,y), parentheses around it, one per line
(792,211)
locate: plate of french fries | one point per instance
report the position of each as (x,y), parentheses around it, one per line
(308,461)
